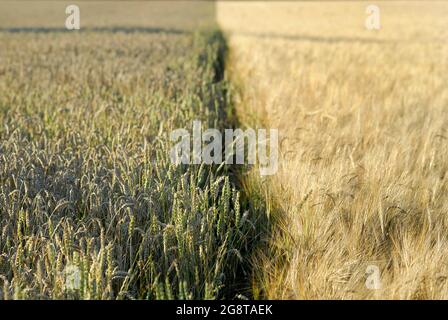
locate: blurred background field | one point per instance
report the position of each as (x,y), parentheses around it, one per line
(181,15)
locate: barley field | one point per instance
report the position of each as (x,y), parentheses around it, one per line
(362,116)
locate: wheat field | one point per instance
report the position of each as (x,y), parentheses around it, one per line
(91,206)
(363,119)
